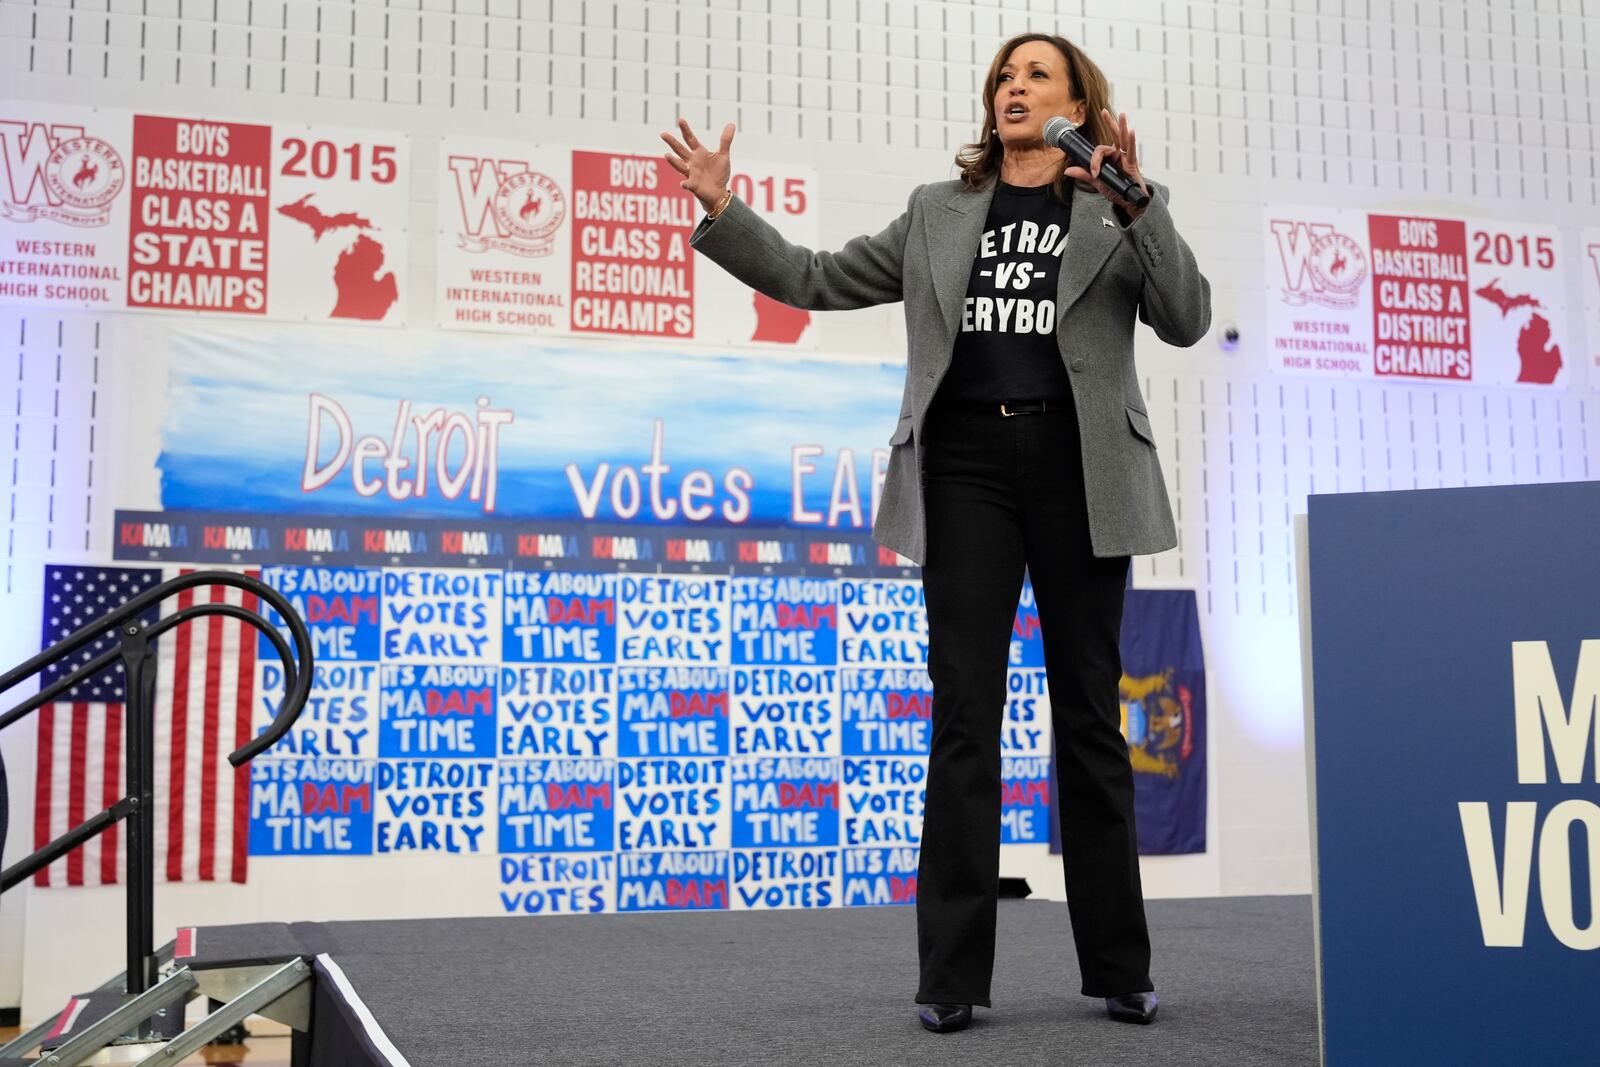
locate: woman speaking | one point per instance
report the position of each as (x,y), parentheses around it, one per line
(1022,445)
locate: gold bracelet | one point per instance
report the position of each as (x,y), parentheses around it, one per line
(721,204)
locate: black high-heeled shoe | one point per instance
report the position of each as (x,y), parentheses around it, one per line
(1132,1007)
(945,1018)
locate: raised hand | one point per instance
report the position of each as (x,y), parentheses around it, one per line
(705,173)
(1124,153)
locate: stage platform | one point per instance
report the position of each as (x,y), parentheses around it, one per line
(1235,977)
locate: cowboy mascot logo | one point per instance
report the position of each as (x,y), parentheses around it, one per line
(59,174)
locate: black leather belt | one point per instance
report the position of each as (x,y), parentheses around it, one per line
(1005,408)
(1028,407)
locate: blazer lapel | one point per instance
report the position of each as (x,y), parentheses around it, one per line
(1090,243)
(953,231)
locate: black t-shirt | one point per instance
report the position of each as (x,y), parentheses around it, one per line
(1006,349)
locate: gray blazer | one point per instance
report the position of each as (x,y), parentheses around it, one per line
(925,256)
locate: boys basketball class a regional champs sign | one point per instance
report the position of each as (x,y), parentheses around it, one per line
(110,211)
(1412,298)
(540,239)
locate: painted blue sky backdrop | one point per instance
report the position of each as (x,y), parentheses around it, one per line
(235,431)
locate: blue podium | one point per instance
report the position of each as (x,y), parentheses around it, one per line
(1452,667)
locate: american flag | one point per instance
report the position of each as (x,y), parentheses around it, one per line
(205,685)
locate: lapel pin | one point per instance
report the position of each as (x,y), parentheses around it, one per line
(1107,222)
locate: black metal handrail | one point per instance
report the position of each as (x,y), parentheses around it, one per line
(137,807)
(296,688)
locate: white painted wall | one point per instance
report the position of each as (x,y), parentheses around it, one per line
(1421,104)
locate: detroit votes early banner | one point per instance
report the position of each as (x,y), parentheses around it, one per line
(291,420)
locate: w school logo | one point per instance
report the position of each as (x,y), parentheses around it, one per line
(506,207)
(57,173)
(1320,264)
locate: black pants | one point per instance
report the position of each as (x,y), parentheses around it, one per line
(1004,495)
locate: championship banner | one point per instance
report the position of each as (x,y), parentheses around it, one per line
(1163,696)
(110,211)
(1591,301)
(301,422)
(544,239)
(1415,298)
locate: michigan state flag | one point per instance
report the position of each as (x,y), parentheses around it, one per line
(1163,695)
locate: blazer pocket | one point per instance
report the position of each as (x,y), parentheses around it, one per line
(1141,425)
(902,432)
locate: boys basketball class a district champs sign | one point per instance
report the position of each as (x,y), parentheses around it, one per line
(539,239)
(1398,297)
(108,210)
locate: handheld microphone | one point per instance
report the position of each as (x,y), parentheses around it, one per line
(1061,133)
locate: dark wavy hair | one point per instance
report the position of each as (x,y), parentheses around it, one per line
(980,161)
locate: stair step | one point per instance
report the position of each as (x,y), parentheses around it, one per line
(86,1009)
(248,944)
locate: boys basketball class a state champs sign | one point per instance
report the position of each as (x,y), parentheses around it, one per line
(108,210)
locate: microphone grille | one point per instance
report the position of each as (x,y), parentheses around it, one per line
(1055,127)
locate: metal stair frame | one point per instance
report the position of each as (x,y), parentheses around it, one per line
(177,988)
(29,1039)
(284,991)
(228,984)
